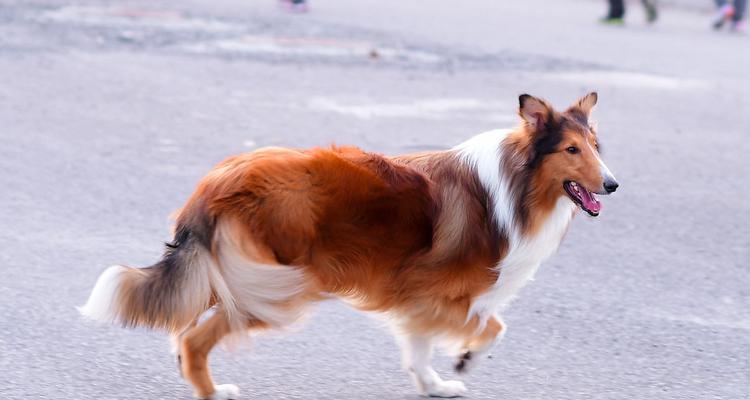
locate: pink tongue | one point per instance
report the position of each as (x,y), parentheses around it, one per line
(589,201)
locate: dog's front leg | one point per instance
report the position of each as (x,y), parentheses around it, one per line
(417,356)
(478,347)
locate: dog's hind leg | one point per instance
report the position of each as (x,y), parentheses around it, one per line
(195,346)
(417,355)
(176,340)
(478,346)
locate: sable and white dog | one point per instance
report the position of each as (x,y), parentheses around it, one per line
(438,241)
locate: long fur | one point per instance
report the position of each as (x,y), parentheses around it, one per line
(168,295)
(425,236)
(439,241)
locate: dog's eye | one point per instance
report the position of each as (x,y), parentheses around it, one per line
(572,150)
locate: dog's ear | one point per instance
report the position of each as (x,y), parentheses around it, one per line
(584,105)
(535,112)
(543,124)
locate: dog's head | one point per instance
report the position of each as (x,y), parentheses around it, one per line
(564,151)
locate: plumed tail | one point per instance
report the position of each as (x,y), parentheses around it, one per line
(167,295)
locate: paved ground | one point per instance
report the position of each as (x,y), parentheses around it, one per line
(111,111)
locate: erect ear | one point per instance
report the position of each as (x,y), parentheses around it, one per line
(535,112)
(585,104)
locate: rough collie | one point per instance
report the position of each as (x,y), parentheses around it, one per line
(439,242)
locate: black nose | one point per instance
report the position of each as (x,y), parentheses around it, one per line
(610,186)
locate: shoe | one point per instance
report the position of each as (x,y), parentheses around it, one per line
(612,21)
(652,14)
(723,15)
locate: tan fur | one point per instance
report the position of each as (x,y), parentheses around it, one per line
(412,236)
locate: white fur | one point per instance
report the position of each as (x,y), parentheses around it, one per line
(484,154)
(201,279)
(261,291)
(245,288)
(225,392)
(417,355)
(100,306)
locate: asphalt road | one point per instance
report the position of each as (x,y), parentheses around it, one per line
(111,111)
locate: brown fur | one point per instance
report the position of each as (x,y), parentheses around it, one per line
(414,235)
(409,235)
(367,227)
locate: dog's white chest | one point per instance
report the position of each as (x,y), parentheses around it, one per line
(522,261)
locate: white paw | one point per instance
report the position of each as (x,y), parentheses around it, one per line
(225,392)
(446,389)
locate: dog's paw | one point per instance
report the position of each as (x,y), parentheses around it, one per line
(225,392)
(466,362)
(446,389)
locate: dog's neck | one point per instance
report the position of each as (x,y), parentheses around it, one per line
(532,219)
(520,205)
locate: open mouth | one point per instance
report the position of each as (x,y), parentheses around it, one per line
(583,198)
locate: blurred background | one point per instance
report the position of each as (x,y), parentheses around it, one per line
(112,110)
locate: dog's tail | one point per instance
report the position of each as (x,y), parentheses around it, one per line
(167,295)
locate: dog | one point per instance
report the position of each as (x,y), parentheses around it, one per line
(438,242)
